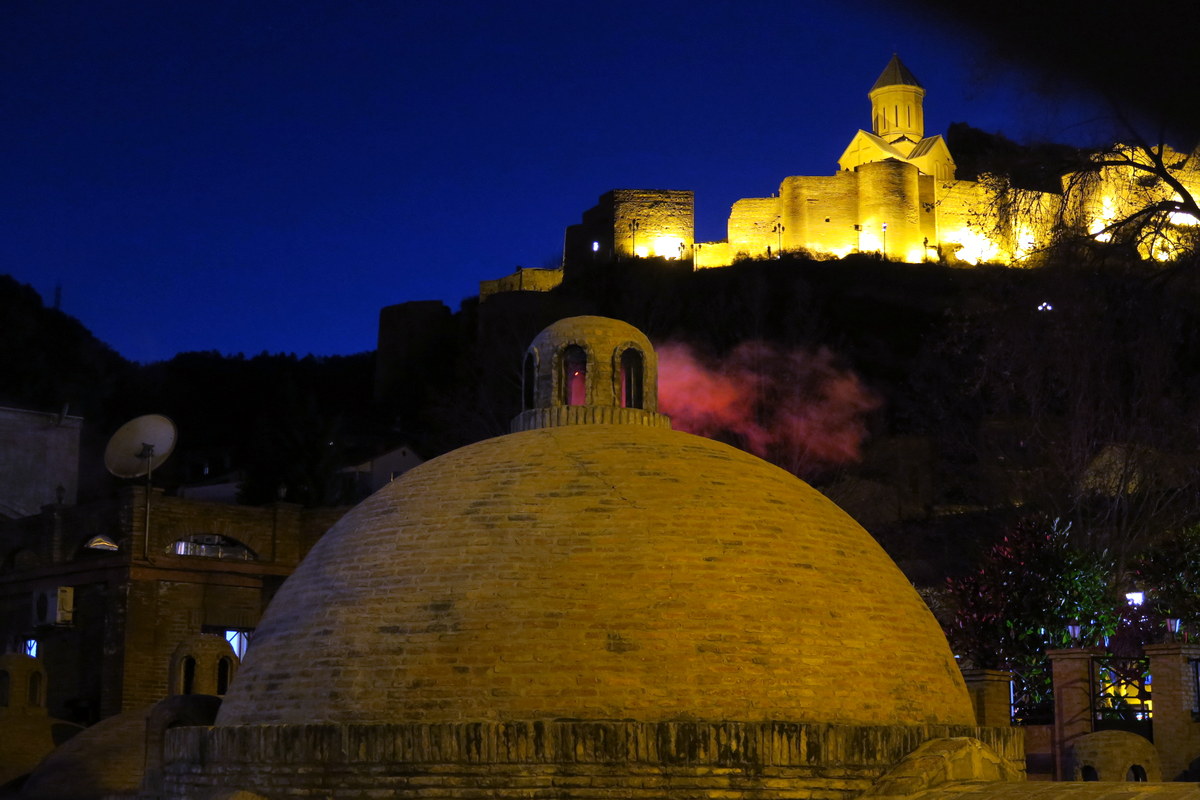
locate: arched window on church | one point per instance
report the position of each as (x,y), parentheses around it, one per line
(528,375)
(574,382)
(35,689)
(189,675)
(632,379)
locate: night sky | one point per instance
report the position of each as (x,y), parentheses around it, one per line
(266,175)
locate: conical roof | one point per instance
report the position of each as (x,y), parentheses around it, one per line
(896,74)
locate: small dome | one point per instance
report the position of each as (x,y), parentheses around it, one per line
(588,370)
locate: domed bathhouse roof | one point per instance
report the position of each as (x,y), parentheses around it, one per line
(595,593)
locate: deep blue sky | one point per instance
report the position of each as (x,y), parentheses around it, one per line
(266,175)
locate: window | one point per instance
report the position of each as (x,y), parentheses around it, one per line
(211,545)
(574,363)
(239,640)
(101,543)
(1088,773)
(35,689)
(632,379)
(528,376)
(188,678)
(224,668)
(1136,774)
(31,648)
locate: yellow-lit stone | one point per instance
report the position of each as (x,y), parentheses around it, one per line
(598,572)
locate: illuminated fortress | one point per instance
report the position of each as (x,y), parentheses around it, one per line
(895,194)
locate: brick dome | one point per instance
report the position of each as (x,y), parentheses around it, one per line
(597,571)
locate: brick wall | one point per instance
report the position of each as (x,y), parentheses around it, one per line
(563,759)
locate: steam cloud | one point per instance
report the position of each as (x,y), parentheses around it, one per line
(793,407)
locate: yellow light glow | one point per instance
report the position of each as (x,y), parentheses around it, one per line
(976,248)
(641,251)
(666,246)
(1025,242)
(1103,219)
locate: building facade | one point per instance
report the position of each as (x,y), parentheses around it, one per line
(104,596)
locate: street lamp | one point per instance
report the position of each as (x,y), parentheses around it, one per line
(778,229)
(633,229)
(885,240)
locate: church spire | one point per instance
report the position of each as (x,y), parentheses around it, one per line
(896,74)
(897,104)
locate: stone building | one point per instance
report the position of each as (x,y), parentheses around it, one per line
(592,606)
(105,604)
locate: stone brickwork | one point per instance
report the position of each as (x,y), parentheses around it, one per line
(986,790)
(991,695)
(605,343)
(598,571)
(1176,729)
(1113,756)
(945,761)
(625,223)
(523,280)
(751,226)
(563,759)
(38,454)
(1072,675)
(134,605)
(821,213)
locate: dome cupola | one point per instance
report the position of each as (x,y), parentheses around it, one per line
(589,370)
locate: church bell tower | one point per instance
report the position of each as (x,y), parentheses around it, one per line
(897,105)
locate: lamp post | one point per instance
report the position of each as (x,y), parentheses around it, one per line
(778,229)
(633,229)
(885,240)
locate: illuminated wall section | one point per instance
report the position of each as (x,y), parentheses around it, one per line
(962,210)
(625,222)
(753,223)
(987,221)
(821,213)
(1114,193)
(707,255)
(653,223)
(888,210)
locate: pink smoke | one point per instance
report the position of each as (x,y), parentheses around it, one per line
(794,407)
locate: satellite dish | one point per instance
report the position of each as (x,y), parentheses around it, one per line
(139,446)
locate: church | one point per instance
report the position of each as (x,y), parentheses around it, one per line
(895,194)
